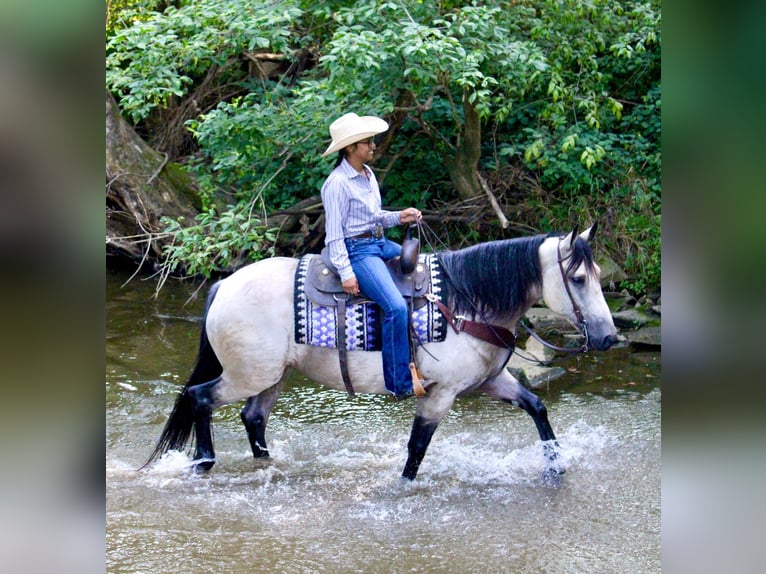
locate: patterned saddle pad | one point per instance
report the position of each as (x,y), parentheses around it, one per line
(317,324)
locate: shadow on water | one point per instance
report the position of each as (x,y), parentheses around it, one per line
(330,498)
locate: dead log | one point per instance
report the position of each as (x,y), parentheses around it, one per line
(141,187)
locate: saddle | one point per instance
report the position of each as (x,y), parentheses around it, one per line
(323,285)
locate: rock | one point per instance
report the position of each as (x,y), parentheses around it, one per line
(530,373)
(618,301)
(535,377)
(611,273)
(650,336)
(630,319)
(543,319)
(538,350)
(657,309)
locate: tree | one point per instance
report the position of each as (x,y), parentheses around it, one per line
(450,72)
(142,186)
(555,103)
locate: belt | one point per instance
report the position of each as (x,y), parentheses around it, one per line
(377,233)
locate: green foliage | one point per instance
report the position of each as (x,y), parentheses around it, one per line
(261,145)
(216,242)
(591,130)
(162,53)
(424,56)
(567,90)
(123,13)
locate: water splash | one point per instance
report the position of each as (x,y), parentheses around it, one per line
(582,444)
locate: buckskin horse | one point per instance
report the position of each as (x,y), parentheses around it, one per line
(248,341)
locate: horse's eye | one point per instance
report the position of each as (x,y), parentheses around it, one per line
(577,280)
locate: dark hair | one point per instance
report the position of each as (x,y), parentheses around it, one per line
(493,279)
(339,160)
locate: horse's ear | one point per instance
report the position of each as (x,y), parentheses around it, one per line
(590,233)
(568,240)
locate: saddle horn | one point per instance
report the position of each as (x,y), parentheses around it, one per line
(410,251)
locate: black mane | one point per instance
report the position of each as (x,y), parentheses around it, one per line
(493,280)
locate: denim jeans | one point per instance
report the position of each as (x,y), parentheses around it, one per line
(367,258)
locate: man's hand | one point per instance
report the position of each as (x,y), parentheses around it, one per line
(351,286)
(410,215)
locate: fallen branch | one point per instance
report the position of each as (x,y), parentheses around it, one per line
(158,170)
(493,202)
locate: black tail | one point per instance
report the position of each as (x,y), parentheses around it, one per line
(180,424)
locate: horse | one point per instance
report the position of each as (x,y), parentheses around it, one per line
(247,342)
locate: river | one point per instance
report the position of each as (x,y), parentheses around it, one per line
(330,498)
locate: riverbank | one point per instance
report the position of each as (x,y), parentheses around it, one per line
(639,328)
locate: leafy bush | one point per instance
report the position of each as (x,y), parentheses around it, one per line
(217,243)
(567,91)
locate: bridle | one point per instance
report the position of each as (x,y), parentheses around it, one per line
(577,311)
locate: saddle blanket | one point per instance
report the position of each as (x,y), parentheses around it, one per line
(317,325)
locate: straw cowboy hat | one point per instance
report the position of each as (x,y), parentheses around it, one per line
(350,128)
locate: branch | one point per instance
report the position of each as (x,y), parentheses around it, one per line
(265,57)
(493,202)
(158,170)
(268,181)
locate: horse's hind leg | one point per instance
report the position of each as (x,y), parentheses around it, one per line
(203,404)
(255,416)
(507,389)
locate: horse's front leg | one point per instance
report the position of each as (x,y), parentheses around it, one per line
(506,388)
(429,413)
(255,416)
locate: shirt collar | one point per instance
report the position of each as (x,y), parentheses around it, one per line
(349,171)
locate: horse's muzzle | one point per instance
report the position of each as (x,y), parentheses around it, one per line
(603,343)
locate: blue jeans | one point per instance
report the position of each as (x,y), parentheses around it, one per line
(367,258)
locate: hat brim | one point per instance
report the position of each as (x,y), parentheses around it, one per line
(369,126)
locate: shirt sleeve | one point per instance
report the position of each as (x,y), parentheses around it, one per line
(335,203)
(389,218)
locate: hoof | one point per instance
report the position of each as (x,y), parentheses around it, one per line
(203,465)
(553,476)
(555,465)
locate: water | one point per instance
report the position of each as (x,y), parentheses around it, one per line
(330,498)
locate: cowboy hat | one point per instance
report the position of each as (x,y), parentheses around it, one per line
(350,128)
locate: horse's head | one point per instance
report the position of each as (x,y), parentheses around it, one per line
(571,286)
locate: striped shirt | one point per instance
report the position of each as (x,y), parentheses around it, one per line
(352,206)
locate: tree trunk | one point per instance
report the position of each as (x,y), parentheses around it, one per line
(141,187)
(463,166)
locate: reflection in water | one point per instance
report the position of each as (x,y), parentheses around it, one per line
(330,498)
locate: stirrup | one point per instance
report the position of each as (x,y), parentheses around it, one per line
(416,384)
